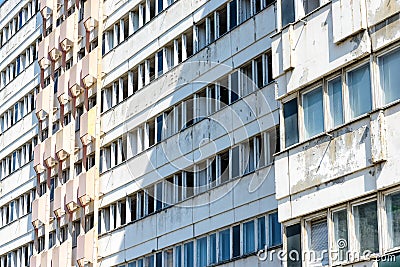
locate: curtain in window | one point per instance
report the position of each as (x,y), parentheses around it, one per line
(393,215)
(224,245)
(213,248)
(261,233)
(389,67)
(335,102)
(359,84)
(202,252)
(248,234)
(275,233)
(313,112)
(188,255)
(366,226)
(319,242)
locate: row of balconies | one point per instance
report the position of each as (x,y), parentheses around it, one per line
(60,255)
(67,198)
(90,16)
(59,146)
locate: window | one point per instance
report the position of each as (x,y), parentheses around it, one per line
(274,229)
(232,14)
(248,237)
(168,257)
(310,5)
(389,66)
(319,242)
(235,162)
(236,241)
(393,224)
(178,256)
(359,86)
(213,248)
(313,112)
(340,233)
(293,236)
(335,102)
(366,226)
(202,252)
(261,232)
(290,117)
(224,245)
(188,255)
(287,12)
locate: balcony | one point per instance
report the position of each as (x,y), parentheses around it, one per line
(43,53)
(91,15)
(62,90)
(59,203)
(89,69)
(86,186)
(44,259)
(34,261)
(74,83)
(67,33)
(60,255)
(63,142)
(38,163)
(43,103)
(50,152)
(39,207)
(84,252)
(71,200)
(46,8)
(54,40)
(88,126)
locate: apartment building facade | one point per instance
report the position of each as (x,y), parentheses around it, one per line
(198,133)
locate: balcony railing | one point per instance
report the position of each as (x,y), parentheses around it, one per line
(59,200)
(86,186)
(43,103)
(38,163)
(91,15)
(89,69)
(67,33)
(85,248)
(71,199)
(88,126)
(39,209)
(64,142)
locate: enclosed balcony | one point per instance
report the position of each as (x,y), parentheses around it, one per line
(44,259)
(91,15)
(64,142)
(54,41)
(67,30)
(86,186)
(74,83)
(38,163)
(43,103)
(39,207)
(88,126)
(43,53)
(59,203)
(46,8)
(71,199)
(50,152)
(60,255)
(84,252)
(34,261)
(62,90)
(89,69)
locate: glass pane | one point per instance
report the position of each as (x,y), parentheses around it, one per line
(313,113)
(335,102)
(319,242)
(224,245)
(290,115)
(178,256)
(293,237)
(287,12)
(248,237)
(275,233)
(340,229)
(359,91)
(202,252)
(213,248)
(393,215)
(168,257)
(389,67)
(188,250)
(261,233)
(366,226)
(236,241)
(235,162)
